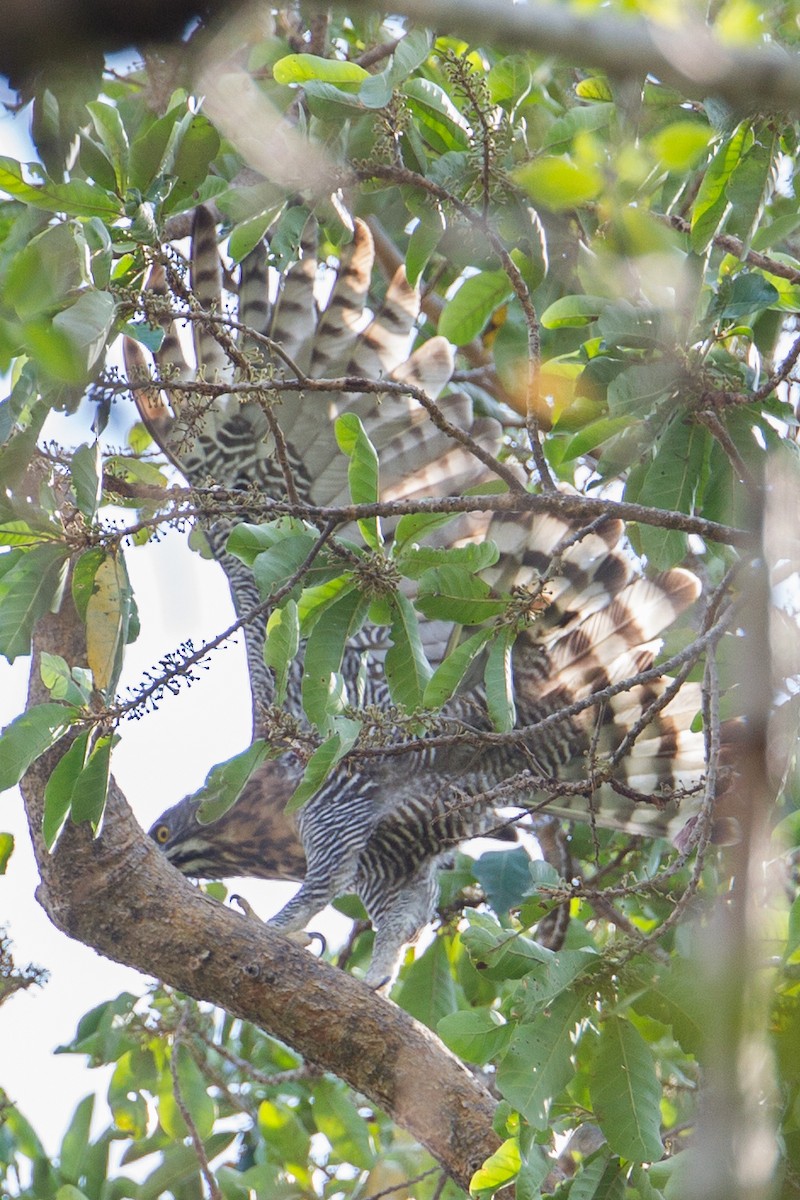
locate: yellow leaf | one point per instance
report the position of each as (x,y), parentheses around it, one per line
(104,620)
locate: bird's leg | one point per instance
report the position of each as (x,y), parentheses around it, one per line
(300,936)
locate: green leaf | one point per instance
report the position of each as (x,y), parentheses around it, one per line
(150,147)
(247,235)
(41,277)
(557,183)
(299,68)
(178,1168)
(556,974)
(671,997)
(29,736)
(414,560)
(87,478)
(323,657)
(10,560)
(224,783)
(475,1034)
(6,850)
(282,644)
(332,100)
(27,592)
(424,239)
(316,599)
(749,187)
(440,122)
(593,436)
(108,124)
(510,79)
(570,312)
(276,566)
(469,311)
(427,990)
(197,145)
(711,202)
(671,483)
(76,1140)
(500,953)
(602,1178)
(538,1063)
(680,145)
(505,877)
(247,541)
(193,1089)
(376,90)
(323,760)
(362,473)
(135,471)
(336,1116)
(594,88)
(91,786)
(625,1092)
(417,525)
(451,670)
(452,593)
(76,198)
(407,669)
(499,679)
(60,789)
(20,533)
(793,936)
(577,121)
(749,293)
(86,326)
(83,574)
(499,1170)
(18,450)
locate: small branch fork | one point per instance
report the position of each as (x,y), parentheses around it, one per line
(157,686)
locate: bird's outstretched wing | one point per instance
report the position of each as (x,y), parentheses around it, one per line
(380,826)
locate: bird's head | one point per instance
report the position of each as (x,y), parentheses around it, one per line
(253,838)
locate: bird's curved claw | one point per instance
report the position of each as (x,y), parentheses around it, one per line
(323,944)
(245,907)
(301,938)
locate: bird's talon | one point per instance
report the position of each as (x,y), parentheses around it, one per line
(323,945)
(245,907)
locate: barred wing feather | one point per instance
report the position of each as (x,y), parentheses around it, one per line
(595,620)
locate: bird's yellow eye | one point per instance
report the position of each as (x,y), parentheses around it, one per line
(162,834)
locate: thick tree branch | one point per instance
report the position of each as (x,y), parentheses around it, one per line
(688,57)
(120,895)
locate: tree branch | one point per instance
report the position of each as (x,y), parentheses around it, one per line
(688,57)
(119,894)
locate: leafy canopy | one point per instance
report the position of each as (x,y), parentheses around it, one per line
(642,248)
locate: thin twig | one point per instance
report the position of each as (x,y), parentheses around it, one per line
(157,685)
(716,427)
(734,245)
(197,1141)
(278,1079)
(781,374)
(398,1187)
